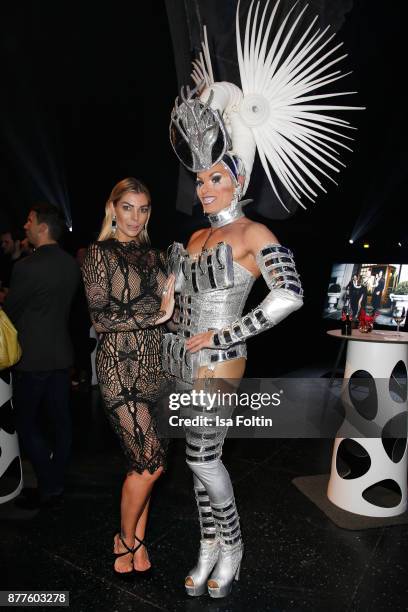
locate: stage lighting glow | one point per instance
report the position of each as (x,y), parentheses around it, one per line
(70,228)
(399,244)
(366,245)
(351,241)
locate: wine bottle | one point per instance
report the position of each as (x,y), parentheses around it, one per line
(346,325)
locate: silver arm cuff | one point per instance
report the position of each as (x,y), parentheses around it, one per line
(286,295)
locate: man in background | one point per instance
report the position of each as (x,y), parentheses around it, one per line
(38,302)
(10,242)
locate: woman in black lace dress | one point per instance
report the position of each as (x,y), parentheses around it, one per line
(129,298)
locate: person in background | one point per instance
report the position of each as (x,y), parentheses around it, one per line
(378,290)
(355,292)
(38,302)
(10,242)
(26,247)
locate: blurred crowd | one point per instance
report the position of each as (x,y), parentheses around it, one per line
(15,246)
(42,293)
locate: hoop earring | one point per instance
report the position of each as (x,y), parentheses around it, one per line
(113,224)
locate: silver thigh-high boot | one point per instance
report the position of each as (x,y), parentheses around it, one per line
(196,581)
(203,449)
(231,549)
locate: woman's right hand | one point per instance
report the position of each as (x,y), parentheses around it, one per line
(167,303)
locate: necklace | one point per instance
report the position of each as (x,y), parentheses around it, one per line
(227,215)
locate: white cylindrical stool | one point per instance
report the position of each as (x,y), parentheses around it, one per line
(9,449)
(382,460)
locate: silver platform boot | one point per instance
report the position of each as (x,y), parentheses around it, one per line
(196,581)
(228,565)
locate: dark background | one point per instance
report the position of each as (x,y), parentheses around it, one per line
(86,97)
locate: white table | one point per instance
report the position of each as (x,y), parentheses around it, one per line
(9,449)
(376,353)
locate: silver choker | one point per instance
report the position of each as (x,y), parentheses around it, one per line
(227,215)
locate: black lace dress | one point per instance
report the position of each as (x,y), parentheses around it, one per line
(124,283)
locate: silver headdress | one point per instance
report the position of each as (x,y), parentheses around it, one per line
(277,111)
(197,132)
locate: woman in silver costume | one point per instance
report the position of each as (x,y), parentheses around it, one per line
(214,277)
(215,131)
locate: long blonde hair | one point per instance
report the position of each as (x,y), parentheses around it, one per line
(125,186)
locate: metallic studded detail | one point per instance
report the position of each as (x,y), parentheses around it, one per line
(218,257)
(194,276)
(275,248)
(200,449)
(176,360)
(276,275)
(227,355)
(207,523)
(211,270)
(249,325)
(185,316)
(209,544)
(278,269)
(260,317)
(202,436)
(295,289)
(203,445)
(201,459)
(227,336)
(238,331)
(227,520)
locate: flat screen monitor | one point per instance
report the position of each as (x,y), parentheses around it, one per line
(379,288)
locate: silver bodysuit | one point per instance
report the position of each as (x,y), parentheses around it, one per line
(213,289)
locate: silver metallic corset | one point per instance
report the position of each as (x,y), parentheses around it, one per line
(213,290)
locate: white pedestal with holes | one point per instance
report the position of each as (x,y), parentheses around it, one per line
(9,449)
(376,353)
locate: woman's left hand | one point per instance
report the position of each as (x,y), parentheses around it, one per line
(167,303)
(200,341)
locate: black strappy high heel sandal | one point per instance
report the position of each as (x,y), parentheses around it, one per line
(125,575)
(141,573)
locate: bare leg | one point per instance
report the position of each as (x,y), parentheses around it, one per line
(141,559)
(136,491)
(232,370)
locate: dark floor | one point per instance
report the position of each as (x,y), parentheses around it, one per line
(295,558)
